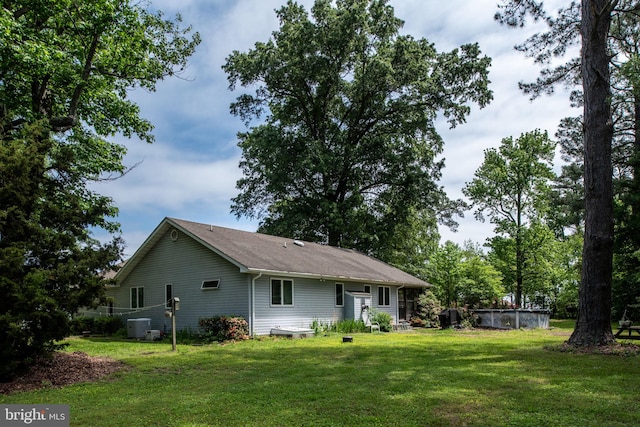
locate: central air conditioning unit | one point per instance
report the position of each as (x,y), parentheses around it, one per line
(137,328)
(152,335)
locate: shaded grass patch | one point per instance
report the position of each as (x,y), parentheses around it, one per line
(425,377)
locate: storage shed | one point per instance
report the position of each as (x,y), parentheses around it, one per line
(354,303)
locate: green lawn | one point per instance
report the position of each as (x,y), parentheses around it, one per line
(420,378)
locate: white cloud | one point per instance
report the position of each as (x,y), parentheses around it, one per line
(166,177)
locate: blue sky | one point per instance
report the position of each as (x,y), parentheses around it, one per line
(191,170)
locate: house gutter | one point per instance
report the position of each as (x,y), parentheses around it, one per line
(252,318)
(295,274)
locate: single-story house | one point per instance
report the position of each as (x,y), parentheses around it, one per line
(271,281)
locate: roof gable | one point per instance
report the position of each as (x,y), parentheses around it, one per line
(263,253)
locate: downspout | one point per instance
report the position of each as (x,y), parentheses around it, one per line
(398,303)
(252,318)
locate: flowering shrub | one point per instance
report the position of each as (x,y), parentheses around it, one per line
(417,322)
(428,310)
(223,328)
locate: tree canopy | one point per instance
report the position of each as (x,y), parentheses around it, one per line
(65,71)
(464,277)
(348,150)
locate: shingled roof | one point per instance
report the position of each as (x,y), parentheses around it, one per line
(261,253)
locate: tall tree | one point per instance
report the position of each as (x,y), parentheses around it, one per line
(412,244)
(594,312)
(537,267)
(624,39)
(65,69)
(563,272)
(481,283)
(626,161)
(463,276)
(541,264)
(591,19)
(567,198)
(347,152)
(445,273)
(502,256)
(512,188)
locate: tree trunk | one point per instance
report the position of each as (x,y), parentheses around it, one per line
(334,236)
(593,326)
(519,251)
(635,158)
(519,267)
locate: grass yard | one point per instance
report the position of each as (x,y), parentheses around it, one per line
(417,378)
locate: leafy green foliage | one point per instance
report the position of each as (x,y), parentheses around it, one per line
(104,325)
(482,283)
(550,268)
(347,152)
(223,328)
(567,196)
(384,319)
(464,277)
(411,244)
(65,71)
(445,273)
(73,63)
(626,261)
(512,184)
(50,262)
(346,326)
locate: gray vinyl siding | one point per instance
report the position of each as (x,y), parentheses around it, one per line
(393,301)
(184,263)
(313,300)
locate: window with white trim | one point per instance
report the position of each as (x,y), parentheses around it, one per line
(168,295)
(339,294)
(281,292)
(384,295)
(367,289)
(137,297)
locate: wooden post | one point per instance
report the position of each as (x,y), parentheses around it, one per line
(173,324)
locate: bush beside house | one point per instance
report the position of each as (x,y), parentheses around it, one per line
(223,328)
(107,325)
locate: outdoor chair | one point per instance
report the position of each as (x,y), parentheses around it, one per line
(371,326)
